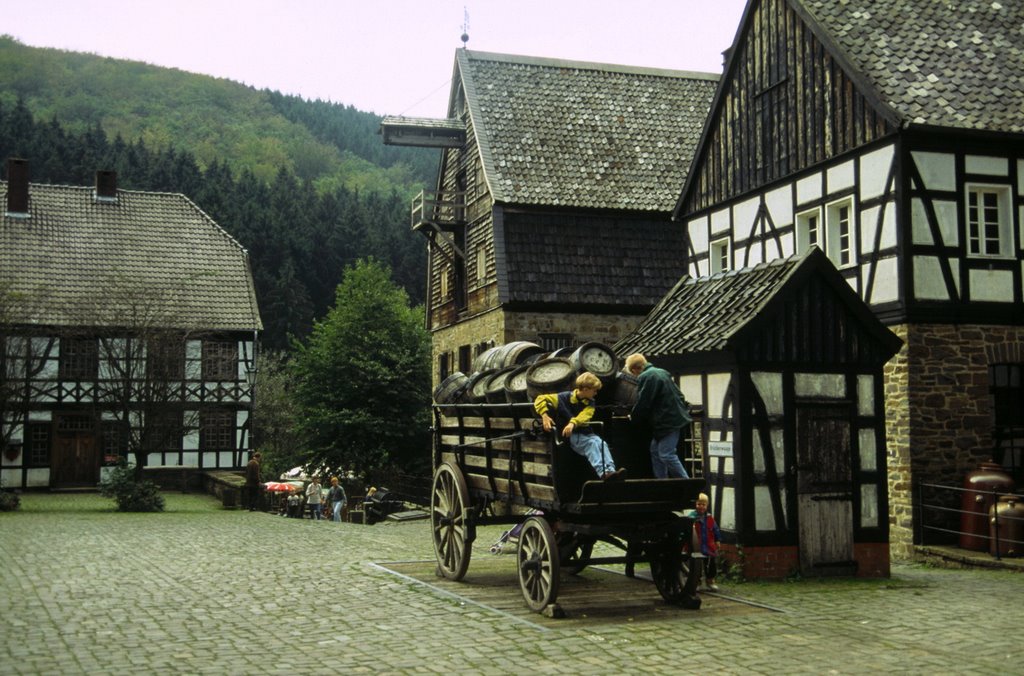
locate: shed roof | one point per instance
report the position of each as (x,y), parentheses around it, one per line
(582,135)
(87,262)
(951,64)
(719,313)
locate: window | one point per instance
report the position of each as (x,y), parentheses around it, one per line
(988,220)
(79,358)
(37,444)
(720,257)
(443,366)
(165,359)
(839,235)
(554,341)
(1007,390)
(220,360)
(114,440)
(164,430)
(464,359)
(808,230)
(217,430)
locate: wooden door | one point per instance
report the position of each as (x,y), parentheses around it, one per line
(824,490)
(76,453)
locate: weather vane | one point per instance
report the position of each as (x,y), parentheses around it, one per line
(465,26)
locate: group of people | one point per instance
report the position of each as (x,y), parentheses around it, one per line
(322,506)
(662,408)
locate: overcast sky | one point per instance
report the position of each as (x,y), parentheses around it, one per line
(391,57)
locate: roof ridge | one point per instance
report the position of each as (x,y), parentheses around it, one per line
(591,65)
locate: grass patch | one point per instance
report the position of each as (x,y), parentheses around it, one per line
(79,503)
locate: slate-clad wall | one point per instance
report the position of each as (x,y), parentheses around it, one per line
(939,409)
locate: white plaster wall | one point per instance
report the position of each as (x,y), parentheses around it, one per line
(937,170)
(225,458)
(808,189)
(764,516)
(690,386)
(868,506)
(839,177)
(37,477)
(728,520)
(697,231)
(874,170)
(718,385)
(869,227)
(190,459)
(744,215)
(769,387)
(992,285)
(990,166)
(780,205)
(928,281)
(866,441)
(720,222)
(865,395)
(825,385)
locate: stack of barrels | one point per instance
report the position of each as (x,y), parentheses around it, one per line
(517,372)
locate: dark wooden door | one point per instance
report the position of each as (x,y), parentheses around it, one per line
(824,490)
(76,453)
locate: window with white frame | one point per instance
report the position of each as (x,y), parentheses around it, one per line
(989,231)
(839,232)
(808,230)
(481,263)
(720,258)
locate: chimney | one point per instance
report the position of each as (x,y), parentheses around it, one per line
(17,186)
(106,185)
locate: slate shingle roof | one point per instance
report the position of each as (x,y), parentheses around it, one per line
(86,262)
(714,314)
(581,260)
(587,135)
(951,63)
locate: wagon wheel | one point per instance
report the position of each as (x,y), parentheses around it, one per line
(450,522)
(574,552)
(538,561)
(675,575)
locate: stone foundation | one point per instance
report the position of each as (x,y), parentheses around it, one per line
(774,563)
(939,410)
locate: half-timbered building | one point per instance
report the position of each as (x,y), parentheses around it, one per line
(551,221)
(786,362)
(890,134)
(128,325)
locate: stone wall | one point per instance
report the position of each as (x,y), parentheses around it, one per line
(939,410)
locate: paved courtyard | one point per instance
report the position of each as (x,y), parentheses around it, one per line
(200,589)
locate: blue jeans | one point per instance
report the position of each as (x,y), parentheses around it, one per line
(595,450)
(664,458)
(336,514)
(314,511)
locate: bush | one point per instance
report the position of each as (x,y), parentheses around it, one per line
(131,494)
(9,501)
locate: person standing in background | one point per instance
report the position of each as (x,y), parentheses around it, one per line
(252,481)
(313,497)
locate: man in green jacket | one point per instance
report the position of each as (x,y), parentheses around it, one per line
(661,405)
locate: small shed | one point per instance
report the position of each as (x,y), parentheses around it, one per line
(787,362)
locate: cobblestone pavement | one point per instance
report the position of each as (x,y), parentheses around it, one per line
(199,589)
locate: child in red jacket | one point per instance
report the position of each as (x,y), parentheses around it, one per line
(706,537)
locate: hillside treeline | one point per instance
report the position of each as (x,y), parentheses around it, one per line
(300,234)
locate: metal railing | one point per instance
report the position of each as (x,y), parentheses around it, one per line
(441,207)
(940,517)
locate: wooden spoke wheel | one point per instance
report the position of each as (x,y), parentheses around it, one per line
(538,560)
(574,552)
(675,575)
(450,522)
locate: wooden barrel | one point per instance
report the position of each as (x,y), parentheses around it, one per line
(550,375)
(475,390)
(624,391)
(488,359)
(494,390)
(563,351)
(451,388)
(597,358)
(519,352)
(515,385)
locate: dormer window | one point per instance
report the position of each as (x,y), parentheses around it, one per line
(106,187)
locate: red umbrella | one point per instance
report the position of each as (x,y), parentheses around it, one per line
(279,487)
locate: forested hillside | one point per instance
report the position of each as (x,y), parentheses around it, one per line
(306,187)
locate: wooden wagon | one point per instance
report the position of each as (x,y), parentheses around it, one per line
(490,458)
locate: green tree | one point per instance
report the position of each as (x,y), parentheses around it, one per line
(363,377)
(276,416)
